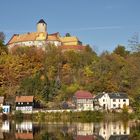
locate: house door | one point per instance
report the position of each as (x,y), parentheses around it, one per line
(104,106)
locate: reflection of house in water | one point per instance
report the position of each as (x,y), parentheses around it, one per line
(5,131)
(114,130)
(119,137)
(102,131)
(85,129)
(88,137)
(5,126)
(24,130)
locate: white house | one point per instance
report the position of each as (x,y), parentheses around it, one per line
(111,100)
(83,100)
(25,103)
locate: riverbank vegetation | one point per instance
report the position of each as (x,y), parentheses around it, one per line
(84,116)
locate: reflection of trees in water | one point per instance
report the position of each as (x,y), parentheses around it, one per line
(135,132)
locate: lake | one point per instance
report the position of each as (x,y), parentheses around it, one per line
(28,130)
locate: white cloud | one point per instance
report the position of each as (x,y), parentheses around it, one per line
(97,28)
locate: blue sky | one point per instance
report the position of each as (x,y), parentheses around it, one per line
(101,23)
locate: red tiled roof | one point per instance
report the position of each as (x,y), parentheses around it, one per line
(24,136)
(79,137)
(72,47)
(24,98)
(81,94)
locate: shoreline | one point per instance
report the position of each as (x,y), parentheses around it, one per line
(84,116)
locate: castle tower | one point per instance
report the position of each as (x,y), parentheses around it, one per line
(41,26)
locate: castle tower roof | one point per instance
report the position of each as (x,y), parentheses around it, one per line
(41,21)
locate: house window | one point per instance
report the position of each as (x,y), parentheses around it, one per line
(119,100)
(119,106)
(114,105)
(103,100)
(124,100)
(114,100)
(120,133)
(124,132)
(119,126)
(114,133)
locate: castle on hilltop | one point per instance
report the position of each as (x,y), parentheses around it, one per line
(41,38)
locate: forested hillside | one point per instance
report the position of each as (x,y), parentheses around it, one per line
(53,75)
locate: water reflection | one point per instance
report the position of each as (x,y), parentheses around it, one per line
(24,130)
(114,130)
(28,130)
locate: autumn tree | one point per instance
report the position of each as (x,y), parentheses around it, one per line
(68,35)
(134,42)
(120,50)
(3,48)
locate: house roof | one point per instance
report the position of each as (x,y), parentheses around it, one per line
(32,36)
(53,38)
(81,94)
(1,99)
(41,21)
(72,47)
(24,98)
(118,137)
(113,95)
(118,95)
(55,34)
(99,95)
(81,137)
(24,136)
